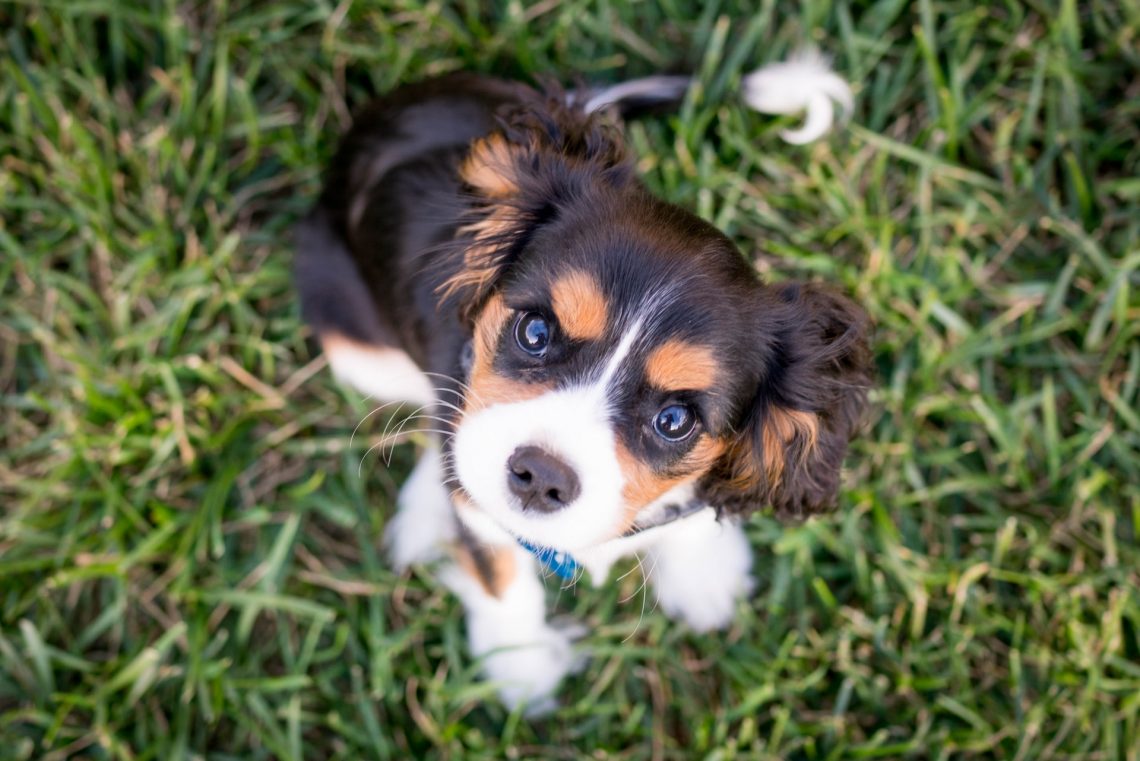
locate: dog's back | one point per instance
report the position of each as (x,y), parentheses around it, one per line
(391,197)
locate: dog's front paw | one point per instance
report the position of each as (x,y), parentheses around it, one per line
(706,609)
(412,539)
(700,579)
(528,674)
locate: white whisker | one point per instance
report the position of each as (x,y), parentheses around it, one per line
(396,434)
(390,440)
(370,414)
(644,581)
(466,387)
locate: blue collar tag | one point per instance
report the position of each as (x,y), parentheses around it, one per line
(556,561)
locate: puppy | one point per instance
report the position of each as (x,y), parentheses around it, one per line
(607,373)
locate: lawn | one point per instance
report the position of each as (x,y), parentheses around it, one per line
(190,558)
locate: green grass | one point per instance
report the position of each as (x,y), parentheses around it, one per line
(190,562)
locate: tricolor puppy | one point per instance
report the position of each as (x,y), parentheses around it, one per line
(607,373)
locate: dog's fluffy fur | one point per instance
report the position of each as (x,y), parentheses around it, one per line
(599,360)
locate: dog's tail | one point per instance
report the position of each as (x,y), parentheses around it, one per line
(804,83)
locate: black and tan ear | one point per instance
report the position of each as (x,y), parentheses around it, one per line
(548,153)
(497,221)
(810,402)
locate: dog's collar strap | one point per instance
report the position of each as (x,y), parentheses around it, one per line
(669,514)
(563,565)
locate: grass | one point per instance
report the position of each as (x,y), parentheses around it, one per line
(189,552)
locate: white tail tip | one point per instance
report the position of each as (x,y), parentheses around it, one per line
(804,83)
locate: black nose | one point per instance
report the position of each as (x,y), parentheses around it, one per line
(540,480)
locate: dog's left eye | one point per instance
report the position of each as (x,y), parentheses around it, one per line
(675,422)
(532,333)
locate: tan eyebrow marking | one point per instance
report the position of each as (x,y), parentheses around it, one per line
(579,305)
(678,365)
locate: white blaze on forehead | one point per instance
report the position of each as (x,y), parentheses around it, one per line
(620,354)
(654,304)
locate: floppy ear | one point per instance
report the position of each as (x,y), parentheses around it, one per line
(496,222)
(808,404)
(547,153)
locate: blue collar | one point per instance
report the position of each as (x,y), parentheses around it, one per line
(556,561)
(565,566)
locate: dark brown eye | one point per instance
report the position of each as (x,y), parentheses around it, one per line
(675,422)
(532,333)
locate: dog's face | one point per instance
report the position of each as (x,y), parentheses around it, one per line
(624,349)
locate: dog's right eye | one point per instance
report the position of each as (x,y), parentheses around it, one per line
(532,333)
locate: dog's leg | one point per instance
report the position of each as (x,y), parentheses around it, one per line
(699,568)
(362,347)
(424,524)
(521,653)
(385,373)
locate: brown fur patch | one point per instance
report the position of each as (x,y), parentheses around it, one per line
(481,259)
(681,366)
(783,427)
(488,326)
(490,168)
(743,473)
(579,305)
(493,567)
(486,386)
(643,485)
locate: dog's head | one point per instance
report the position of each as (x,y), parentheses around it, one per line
(623,349)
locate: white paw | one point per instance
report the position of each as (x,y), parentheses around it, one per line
(424,523)
(704,610)
(408,543)
(699,575)
(528,674)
